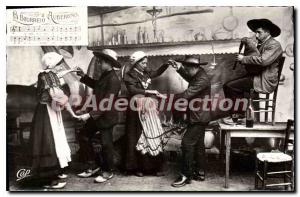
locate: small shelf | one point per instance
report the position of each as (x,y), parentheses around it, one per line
(175,48)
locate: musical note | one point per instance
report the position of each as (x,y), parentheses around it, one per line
(44,34)
(13,29)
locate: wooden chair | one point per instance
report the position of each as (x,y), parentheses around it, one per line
(276,164)
(269,108)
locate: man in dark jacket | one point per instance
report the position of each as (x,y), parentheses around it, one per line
(262,67)
(106,87)
(198,116)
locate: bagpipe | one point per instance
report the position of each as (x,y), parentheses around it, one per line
(250,49)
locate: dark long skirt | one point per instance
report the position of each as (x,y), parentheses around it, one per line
(43,158)
(135,161)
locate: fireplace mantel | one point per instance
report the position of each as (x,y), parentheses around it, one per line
(175,48)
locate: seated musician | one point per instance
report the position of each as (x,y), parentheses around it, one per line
(261,64)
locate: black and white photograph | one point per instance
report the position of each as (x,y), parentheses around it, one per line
(150,98)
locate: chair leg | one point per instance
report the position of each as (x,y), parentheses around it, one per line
(264,181)
(256,171)
(256,106)
(292,175)
(266,108)
(273,111)
(285,177)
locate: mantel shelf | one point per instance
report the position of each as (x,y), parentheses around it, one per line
(175,48)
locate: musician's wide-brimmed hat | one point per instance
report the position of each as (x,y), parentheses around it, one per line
(264,23)
(110,55)
(192,60)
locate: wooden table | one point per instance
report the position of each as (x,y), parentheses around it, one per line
(259,130)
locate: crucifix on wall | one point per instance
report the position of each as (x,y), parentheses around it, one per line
(154,13)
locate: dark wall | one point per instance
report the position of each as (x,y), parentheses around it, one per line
(20,98)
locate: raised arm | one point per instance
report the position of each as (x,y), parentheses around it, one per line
(179,68)
(159,71)
(63,73)
(85,79)
(267,57)
(88,81)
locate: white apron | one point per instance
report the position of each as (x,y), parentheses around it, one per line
(62,148)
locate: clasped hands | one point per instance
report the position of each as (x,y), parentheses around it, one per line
(156,93)
(174,64)
(79,71)
(82,117)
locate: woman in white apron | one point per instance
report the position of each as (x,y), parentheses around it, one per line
(49,149)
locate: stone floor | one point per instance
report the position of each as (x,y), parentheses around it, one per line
(240,180)
(241,177)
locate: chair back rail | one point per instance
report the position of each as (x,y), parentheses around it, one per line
(267,98)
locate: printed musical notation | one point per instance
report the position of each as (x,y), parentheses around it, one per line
(47,26)
(41,39)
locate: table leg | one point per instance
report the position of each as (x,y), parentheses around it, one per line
(222,139)
(228,144)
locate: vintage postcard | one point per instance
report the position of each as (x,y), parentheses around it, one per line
(150,98)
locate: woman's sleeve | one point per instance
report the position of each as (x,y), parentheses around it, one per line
(39,85)
(58,96)
(131,85)
(42,89)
